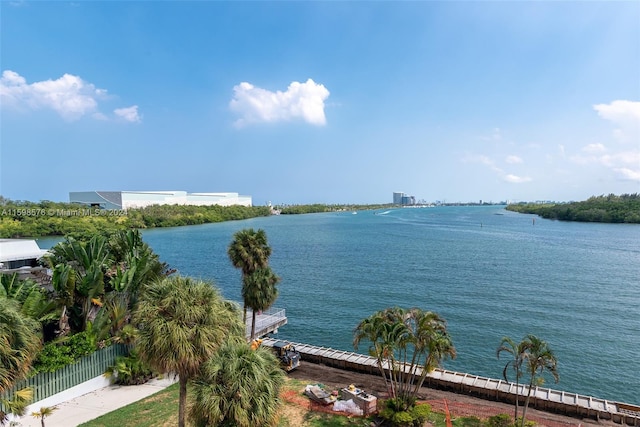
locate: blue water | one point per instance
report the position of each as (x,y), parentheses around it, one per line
(487,271)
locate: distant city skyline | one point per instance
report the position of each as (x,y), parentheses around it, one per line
(321,102)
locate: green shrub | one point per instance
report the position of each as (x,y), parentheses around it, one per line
(469,422)
(500,420)
(526,423)
(396,415)
(58,354)
(402,418)
(420,413)
(52,357)
(81,344)
(129,370)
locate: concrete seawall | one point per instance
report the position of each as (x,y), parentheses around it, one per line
(545,399)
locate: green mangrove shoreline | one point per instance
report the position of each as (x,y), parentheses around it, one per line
(24,219)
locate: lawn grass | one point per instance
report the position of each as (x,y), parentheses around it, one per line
(161,409)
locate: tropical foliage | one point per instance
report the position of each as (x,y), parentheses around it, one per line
(130,370)
(17,405)
(87,305)
(249,252)
(407,344)
(43,413)
(259,293)
(517,351)
(64,351)
(533,356)
(34,302)
(237,387)
(181,323)
(47,218)
(20,341)
(612,209)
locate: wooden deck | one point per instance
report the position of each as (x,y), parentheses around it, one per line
(267,322)
(487,388)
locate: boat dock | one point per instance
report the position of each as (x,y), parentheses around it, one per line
(267,322)
(486,388)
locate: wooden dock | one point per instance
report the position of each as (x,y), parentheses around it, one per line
(486,388)
(267,322)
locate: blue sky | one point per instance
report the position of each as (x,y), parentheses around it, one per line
(321,102)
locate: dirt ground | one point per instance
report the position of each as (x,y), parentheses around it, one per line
(459,404)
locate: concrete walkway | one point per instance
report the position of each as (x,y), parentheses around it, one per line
(93,404)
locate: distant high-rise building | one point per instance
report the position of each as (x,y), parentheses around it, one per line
(397,198)
(408,200)
(403,199)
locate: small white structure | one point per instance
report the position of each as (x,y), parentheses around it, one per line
(123,200)
(16,253)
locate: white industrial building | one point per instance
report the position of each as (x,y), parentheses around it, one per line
(139,199)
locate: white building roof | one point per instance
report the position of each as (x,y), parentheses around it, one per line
(17,249)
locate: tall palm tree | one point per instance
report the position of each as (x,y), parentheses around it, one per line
(259,292)
(249,251)
(539,357)
(518,352)
(237,387)
(181,323)
(20,341)
(407,345)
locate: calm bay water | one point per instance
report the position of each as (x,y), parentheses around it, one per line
(487,271)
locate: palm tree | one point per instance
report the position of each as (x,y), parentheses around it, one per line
(518,353)
(44,412)
(181,323)
(17,405)
(538,358)
(259,293)
(249,251)
(237,387)
(30,296)
(407,345)
(20,339)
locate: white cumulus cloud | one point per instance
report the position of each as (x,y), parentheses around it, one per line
(630,174)
(69,96)
(624,114)
(619,111)
(300,101)
(129,114)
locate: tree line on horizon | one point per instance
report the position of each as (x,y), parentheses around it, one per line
(22,219)
(608,209)
(19,219)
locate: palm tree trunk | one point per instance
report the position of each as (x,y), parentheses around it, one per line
(526,403)
(183,401)
(515,416)
(253,325)
(244,315)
